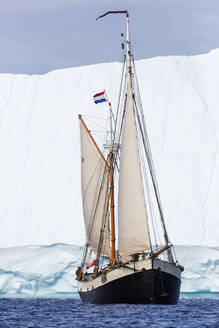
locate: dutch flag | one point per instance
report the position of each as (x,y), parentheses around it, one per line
(99,97)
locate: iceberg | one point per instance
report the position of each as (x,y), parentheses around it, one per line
(38,270)
(40,166)
(40,148)
(201,268)
(50,270)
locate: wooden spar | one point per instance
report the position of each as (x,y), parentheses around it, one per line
(90,135)
(112,206)
(161,250)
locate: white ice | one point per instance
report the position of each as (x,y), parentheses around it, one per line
(46,270)
(40,200)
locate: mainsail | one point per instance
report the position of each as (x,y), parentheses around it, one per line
(133,234)
(95,193)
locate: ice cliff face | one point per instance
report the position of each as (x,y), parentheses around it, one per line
(40,200)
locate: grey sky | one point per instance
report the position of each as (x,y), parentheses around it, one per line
(37,36)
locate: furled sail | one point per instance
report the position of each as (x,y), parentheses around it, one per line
(133,234)
(95,193)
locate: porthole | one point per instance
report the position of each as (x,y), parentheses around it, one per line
(103,279)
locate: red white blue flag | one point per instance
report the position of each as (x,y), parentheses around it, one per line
(99,97)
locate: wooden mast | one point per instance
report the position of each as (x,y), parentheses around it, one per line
(112,206)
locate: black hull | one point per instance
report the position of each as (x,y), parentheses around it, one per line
(146,287)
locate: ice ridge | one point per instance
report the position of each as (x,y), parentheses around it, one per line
(46,270)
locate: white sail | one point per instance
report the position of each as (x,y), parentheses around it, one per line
(95,193)
(133,234)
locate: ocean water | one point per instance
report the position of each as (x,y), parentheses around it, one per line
(70,312)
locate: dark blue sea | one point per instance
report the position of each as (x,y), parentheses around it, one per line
(70,312)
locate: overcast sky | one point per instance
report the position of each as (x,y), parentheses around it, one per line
(37,36)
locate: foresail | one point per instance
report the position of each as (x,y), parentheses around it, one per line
(95,193)
(133,234)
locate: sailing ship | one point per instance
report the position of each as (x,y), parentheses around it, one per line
(130,254)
